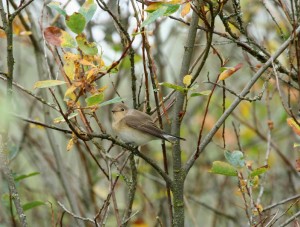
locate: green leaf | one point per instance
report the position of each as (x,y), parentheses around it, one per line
(223,168)
(162,10)
(174,86)
(88,9)
(171,8)
(126,61)
(76,22)
(21,177)
(58,37)
(202,93)
(33,204)
(259,171)
(235,158)
(112,101)
(94,99)
(153,16)
(86,47)
(48,83)
(61,118)
(56,6)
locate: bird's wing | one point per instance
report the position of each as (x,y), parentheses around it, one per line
(143,123)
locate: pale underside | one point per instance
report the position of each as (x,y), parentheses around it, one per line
(138,128)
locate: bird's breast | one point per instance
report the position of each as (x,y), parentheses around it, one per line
(131,135)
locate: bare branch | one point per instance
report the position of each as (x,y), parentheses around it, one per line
(237,101)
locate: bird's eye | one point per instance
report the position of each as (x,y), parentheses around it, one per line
(122,109)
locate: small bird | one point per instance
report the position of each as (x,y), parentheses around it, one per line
(135,127)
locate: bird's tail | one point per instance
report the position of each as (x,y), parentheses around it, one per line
(172,138)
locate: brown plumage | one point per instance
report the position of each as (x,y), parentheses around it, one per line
(133,126)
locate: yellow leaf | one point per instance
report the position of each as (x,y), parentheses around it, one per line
(258,209)
(85,62)
(70,92)
(187,79)
(153,6)
(186,9)
(92,72)
(173,2)
(293,124)
(102,89)
(70,56)
(70,144)
(69,68)
(229,71)
(47,83)
(99,61)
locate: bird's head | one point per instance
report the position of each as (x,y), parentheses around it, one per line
(119,111)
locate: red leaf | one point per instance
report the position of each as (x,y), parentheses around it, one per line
(52,35)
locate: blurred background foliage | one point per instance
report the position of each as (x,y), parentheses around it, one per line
(258,128)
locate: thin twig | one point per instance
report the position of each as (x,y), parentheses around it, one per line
(281,202)
(75,215)
(131,216)
(41,124)
(268,151)
(255,98)
(290,219)
(285,212)
(14,14)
